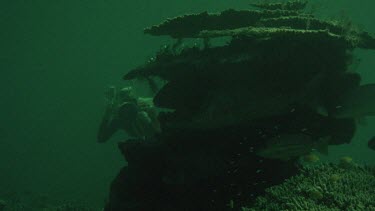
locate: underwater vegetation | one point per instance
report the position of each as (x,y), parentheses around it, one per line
(322,187)
(230,121)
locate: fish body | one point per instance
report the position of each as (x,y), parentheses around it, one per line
(234,105)
(289,146)
(347,162)
(232,108)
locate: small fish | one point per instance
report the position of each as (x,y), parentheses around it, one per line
(346,162)
(371,143)
(311,158)
(346,159)
(289,146)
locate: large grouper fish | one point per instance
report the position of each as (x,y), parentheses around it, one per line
(230,107)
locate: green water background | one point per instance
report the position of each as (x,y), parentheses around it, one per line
(56,60)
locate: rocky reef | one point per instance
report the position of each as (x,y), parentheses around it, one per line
(322,187)
(281,72)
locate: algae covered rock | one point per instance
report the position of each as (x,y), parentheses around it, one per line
(323,187)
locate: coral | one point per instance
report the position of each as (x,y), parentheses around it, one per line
(188,26)
(255,29)
(290,5)
(277,15)
(322,187)
(222,102)
(361,40)
(260,32)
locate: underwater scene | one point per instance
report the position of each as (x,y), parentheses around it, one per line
(246,105)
